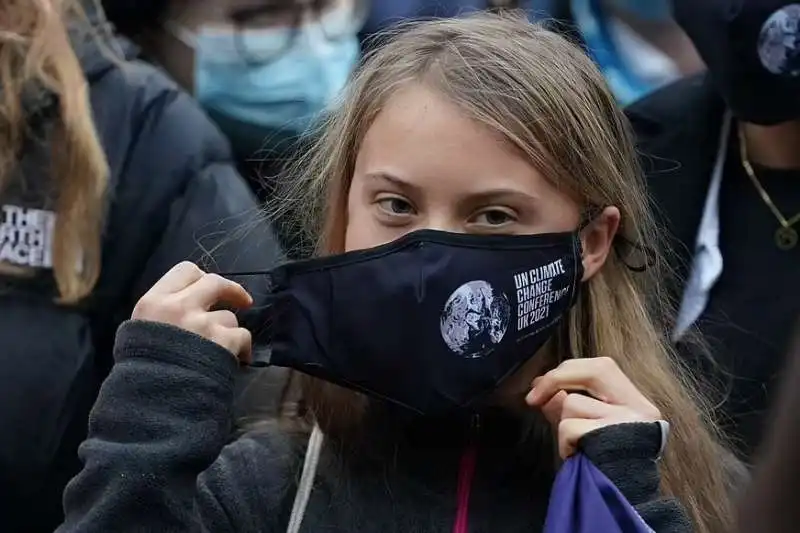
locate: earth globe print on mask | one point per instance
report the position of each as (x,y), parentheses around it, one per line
(475,319)
(779,42)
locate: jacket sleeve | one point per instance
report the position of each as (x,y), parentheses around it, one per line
(162,417)
(625,449)
(177,193)
(156,457)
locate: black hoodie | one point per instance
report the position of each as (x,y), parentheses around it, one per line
(173,192)
(156,460)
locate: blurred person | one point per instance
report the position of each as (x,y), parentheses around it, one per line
(109,174)
(386,13)
(263,70)
(475,198)
(722,155)
(636,43)
(770,503)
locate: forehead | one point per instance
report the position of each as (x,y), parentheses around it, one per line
(422,137)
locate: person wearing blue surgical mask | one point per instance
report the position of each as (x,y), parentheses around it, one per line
(264,70)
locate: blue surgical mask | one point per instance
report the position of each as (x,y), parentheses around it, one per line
(652,10)
(286,93)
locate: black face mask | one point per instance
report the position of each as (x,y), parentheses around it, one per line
(433,321)
(752,49)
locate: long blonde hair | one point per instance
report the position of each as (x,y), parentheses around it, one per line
(549,100)
(37,56)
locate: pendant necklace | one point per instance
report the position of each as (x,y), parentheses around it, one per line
(786,236)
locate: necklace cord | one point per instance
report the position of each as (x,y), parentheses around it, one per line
(748,168)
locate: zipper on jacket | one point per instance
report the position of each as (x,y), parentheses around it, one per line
(466,474)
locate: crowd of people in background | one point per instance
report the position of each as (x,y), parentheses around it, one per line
(311,265)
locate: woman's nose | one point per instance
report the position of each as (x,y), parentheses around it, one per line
(443,222)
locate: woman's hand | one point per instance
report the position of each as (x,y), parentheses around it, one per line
(608,398)
(185,297)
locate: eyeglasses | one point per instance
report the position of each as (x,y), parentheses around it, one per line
(286,19)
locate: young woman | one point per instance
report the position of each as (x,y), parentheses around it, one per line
(109,175)
(475,198)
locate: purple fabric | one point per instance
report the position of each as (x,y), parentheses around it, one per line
(584,500)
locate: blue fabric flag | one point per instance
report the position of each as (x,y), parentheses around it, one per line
(584,500)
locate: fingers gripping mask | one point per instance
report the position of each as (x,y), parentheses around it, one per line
(433,321)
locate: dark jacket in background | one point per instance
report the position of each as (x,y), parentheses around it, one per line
(770,503)
(173,194)
(156,460)
(678,134)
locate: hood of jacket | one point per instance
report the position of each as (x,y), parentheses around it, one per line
(97,48)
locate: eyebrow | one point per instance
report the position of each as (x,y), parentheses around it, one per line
(394,180)
(497,194)
(476,197)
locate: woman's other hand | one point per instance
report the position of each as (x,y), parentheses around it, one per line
(186,297)
(582,395)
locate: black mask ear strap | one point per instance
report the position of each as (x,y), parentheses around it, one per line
(262,356)
(626,248)
(261,332)
(271,277)
(265,273)
(623,247)
(588,216)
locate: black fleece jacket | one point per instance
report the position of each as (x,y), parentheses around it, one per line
(158,458)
